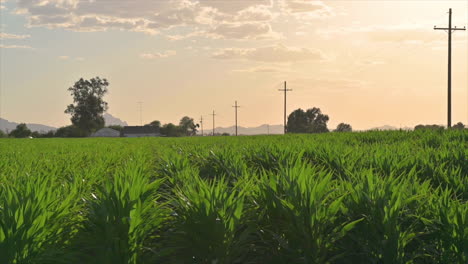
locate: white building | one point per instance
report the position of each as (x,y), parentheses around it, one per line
(106,132)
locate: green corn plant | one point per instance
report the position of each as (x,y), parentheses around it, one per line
(121,216)
(37,220)
(300,215)
(209,223)
(389,206)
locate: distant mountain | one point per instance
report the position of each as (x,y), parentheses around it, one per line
(110,120)
(260,130)
(8,126)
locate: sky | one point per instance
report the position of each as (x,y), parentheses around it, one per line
(366,63)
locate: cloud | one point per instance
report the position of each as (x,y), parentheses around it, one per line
(158,55)
(211,18)
(305,9)
(15,47)
(262,69)
(278,53)
(64,57)
(332,85)
(408,34)
(13,36)
(243,31)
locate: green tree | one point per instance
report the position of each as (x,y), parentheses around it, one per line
(343,127)
(2,134)
(155,123)
(170,130)
(310,121)
(458,125)
(69,131)
(88,104)
(428,127)
(188,126)
(21,131)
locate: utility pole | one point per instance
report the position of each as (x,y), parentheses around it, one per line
(141,113)
(450,29)
(236,106)
(213,122)
(285,90)
(201,123)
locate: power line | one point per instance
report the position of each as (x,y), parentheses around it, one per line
(213,114)
(285,90)
(236,107)
(450,29)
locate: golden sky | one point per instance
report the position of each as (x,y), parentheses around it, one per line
(367,63)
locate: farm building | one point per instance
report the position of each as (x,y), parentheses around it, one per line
(141,131)
(106,132)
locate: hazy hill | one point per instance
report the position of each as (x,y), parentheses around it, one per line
(6,125)
(111,120)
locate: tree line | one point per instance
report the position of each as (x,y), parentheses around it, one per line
(89,106)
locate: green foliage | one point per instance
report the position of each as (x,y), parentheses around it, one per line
(310,121)
(88,104)
(70,131)
(3,134)
(342,127)
(336,198)
(21,131)
(458,125)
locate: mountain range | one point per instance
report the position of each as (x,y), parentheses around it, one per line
(265,129)
(8,126)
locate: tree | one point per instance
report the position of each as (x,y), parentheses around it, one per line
(155,123)
(458,125)
(428,127)
(21,131)
(188,126)
(343,127)
(69,131)
(170,130)
(2,134)
(88,104)
(310,121)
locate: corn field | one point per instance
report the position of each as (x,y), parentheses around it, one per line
(374,197)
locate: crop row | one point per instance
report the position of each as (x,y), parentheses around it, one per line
(374,197)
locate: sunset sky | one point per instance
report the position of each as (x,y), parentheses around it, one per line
(366,63)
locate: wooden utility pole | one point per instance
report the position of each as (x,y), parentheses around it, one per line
(201,124)
(450,29)
(236,106)
(213,122)
(285,90)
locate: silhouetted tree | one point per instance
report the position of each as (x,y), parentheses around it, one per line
(187,126)
(310,121)
(21,131)
(69,131)
(155,123)
(343,127)
(428,127)
(170,130)
(458,125)
(88,104)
